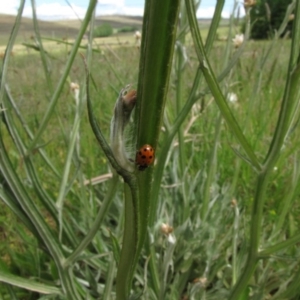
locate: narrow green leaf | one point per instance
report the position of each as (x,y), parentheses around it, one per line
(115,247)
(215,88)
(28,284)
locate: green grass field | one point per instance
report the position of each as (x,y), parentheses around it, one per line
(202,256)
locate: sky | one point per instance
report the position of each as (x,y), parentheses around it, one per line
(71,9)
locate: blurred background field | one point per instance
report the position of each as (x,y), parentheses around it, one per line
(68,29)
(202,256)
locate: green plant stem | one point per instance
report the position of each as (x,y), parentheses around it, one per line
(215,88)
(29,133)
(59,88)
(41,47)
(192,98)
(291,94)
(214,25)
(110,278)
(97,223)
(166,265)
(112,267)
(45,60)
(153,266)
(179,86)
(235,244)
(41,228)
(155,67)
(279,246)
(290,195)
(132,238)
(63,184)
(158,39)
(66,43)
(45,199)
(37,220)
(255,231)
(290,101)
(180,59)
(211,168)
(130,241)
(158,172)
(292,290)
(9,49)
(29,284)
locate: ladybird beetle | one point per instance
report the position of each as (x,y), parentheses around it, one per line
(144,157)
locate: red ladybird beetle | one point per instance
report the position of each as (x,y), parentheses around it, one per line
(144,157)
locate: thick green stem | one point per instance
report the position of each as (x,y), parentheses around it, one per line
(129,248)
(192,98)
(158,39)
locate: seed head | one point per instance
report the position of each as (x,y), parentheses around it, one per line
(166,229)
(238,40)
(249,3)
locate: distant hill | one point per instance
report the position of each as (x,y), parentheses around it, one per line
(63,28)
(26,29)
(68,29)
(116,21)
